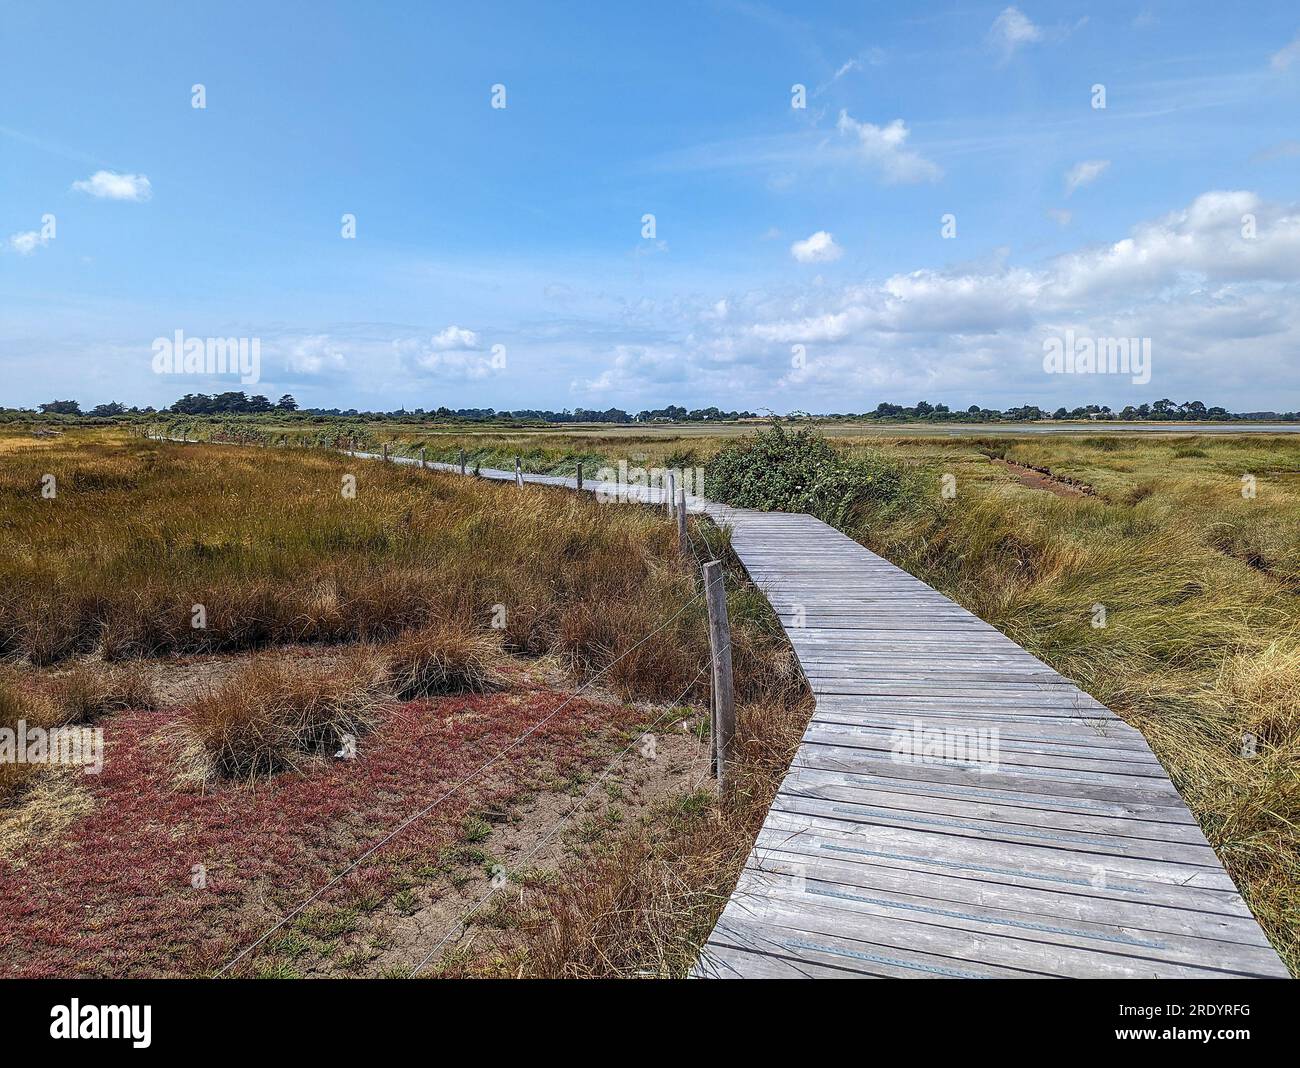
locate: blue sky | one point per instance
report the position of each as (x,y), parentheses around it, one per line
(775,226)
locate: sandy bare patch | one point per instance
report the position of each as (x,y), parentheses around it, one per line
(521,844)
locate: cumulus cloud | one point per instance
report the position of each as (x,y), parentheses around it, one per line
(1010,31)
(27,242)
(817,248)
(1084,173)
(885,149)
(454,339)
(1221,307)
(633,368)
(453,353)
(109,185)
(314,355)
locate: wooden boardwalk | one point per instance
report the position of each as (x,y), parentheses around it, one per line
(956,808)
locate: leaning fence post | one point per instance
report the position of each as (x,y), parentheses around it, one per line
(519,473)
(462,461)
(579,476)
(724,699)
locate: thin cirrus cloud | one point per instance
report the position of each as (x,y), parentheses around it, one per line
(109,185)
(1012,30)
(1285,57)
(816,248)
(1282,150)
(885,149)
(1084,173)
(881,149)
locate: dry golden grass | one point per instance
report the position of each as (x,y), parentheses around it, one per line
(88,692)
(440,659)
(275,716)
(17,706)
(145,539)
(50,802)
(39,800)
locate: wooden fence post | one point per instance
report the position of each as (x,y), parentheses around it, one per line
(462,461)
(385,452)
(683,537)
(579,476)
(519,474)
(421,455)
(724,699)
(672,495)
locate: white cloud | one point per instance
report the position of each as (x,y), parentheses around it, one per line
(110,185)
(817,248)
(1084,173)
(1222,310)
(884,148)
(1011,30)
(1283,58)
(1204,240)
(454,353)
(454,339)
(27,242)
(315,354)
(636,368)
(1061,215)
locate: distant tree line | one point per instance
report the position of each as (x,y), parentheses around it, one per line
(240,403)
(1164,409)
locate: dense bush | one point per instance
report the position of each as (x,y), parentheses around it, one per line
(799,471)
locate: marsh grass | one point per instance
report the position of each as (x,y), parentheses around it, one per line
(144,534)
(260,545)
(273,716)
(439,660)
(86,693)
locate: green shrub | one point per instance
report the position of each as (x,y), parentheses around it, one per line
(782,471)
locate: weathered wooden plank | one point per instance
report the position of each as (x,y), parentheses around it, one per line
(1087,904)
